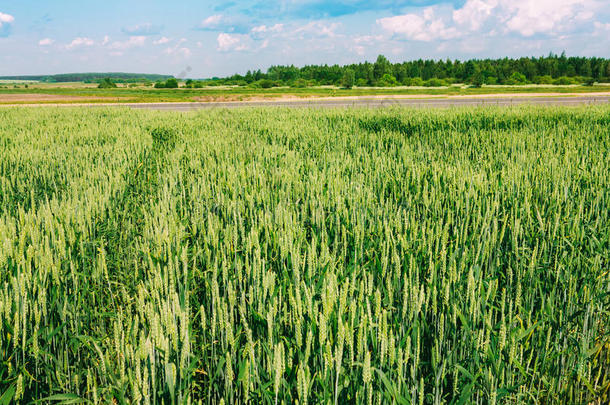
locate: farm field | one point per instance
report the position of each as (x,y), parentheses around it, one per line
(68,93)
(315,256)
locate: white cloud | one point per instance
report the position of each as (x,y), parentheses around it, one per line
(233,42)
(5,24)
(425,27)
(523,17)
(474,13)
(213,22)
(132,42)
(106,40)
(264,28)
(529,17)
(179,49)
(6,19)
(368,39)
(280,35)
(46,42)
(143,29)
(161,41)
(80,42)
(318,29)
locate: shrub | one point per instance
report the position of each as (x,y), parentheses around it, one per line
(107,84)
(362,82)
(543,79)
(171,83)
(415,81)
(267,84)
(299,83)
(563,81)
(434,82)
(517,79)
(387,80)
(491,80)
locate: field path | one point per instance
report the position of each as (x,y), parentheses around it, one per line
(366,101)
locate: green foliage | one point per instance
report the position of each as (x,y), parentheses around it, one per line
(163,137)
(349,79)
(381,67)
(478,79)
(171,83)
(476,72)
(91,77)
(320,256)
(435,83)
(415,81)
(361,82)
(546,79)
(168,84)
(107,83)
(300,83)
(517,78)
(266,84)
(563,81)
(387,81)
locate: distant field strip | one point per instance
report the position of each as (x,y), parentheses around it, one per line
(277,255)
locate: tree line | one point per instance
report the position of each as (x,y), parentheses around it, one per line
(551,69)
(116,77)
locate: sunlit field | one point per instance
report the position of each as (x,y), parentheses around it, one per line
(315,256)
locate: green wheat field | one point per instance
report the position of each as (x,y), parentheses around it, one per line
(280,256)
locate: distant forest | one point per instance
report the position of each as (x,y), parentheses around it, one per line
(552,69)
(91,77)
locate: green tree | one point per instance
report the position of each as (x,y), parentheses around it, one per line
(107,84)
(349,78)
(171,83)
(381,67)
(477,79)
(517,78)
(388,80)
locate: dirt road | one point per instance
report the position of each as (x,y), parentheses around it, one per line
(363,102)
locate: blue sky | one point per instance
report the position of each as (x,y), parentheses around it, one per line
(207,38)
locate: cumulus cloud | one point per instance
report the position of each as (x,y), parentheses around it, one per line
(220,22)
(80,42)
(145,29)
(529,17)
(522,17)
(132,42)
(264,28)
(212,22)
(262,36)
(474,13)
(424,27)
(46,42)
(233,42)
(179,49)
(318,29)
(6,19)
(161,41)
(5,24)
